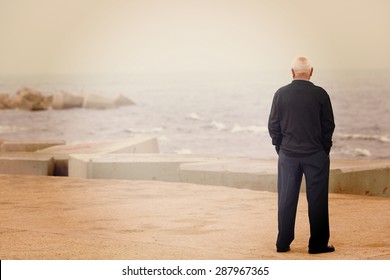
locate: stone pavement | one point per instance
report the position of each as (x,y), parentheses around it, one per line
(67,218)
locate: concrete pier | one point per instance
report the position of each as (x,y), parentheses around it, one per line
(353,177)
(67,218)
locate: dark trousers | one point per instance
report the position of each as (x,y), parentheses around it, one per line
(290,171)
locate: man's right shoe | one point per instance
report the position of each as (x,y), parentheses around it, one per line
(283,250)
(327,249)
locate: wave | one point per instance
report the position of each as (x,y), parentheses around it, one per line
(251,129)
(11,129)
(356,152)
(375,137)
(218,125)
(163,138)
(194,116)
(144,131)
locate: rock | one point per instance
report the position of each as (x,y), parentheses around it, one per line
(123,101)
(4,101)
(64,100)
(93,101)
(49,100)
(29,99)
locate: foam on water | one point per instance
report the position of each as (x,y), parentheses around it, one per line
(249,129)
(194,116)
(12,129)
(379,138)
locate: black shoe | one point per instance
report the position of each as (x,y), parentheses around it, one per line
(283,250)
(327,249)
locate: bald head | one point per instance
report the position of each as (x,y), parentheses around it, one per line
(301,68)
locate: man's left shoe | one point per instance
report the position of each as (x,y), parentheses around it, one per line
(327,249)
(283,250)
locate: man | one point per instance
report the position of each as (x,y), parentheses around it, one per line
(301,126)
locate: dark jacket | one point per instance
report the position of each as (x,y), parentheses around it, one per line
(301,119)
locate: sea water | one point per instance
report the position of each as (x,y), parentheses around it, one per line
(222,114)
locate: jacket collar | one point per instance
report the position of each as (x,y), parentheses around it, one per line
(301,81)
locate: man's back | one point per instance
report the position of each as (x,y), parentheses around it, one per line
(301,120)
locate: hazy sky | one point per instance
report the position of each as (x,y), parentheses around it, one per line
(110,36)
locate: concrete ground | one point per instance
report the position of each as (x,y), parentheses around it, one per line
(65,218)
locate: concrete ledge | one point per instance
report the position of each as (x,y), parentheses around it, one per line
(27,146)
(125,159)
(362,177)
(352,177)
(238,173)
(61,153)
(27,164)
(158,167)
(346,176)
(132,145)
(368,182)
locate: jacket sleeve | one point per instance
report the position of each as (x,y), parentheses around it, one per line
(274,128)
(327,124)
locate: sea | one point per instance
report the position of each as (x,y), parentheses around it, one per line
(219,114)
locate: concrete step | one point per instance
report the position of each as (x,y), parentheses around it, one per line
(26,164)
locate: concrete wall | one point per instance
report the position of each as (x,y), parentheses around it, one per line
(361,182)
(231,172)
(131,145)
(158,167)
(138,159)
(27,146)
(237,173)
(26,164)
(61,153)
(353,177)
